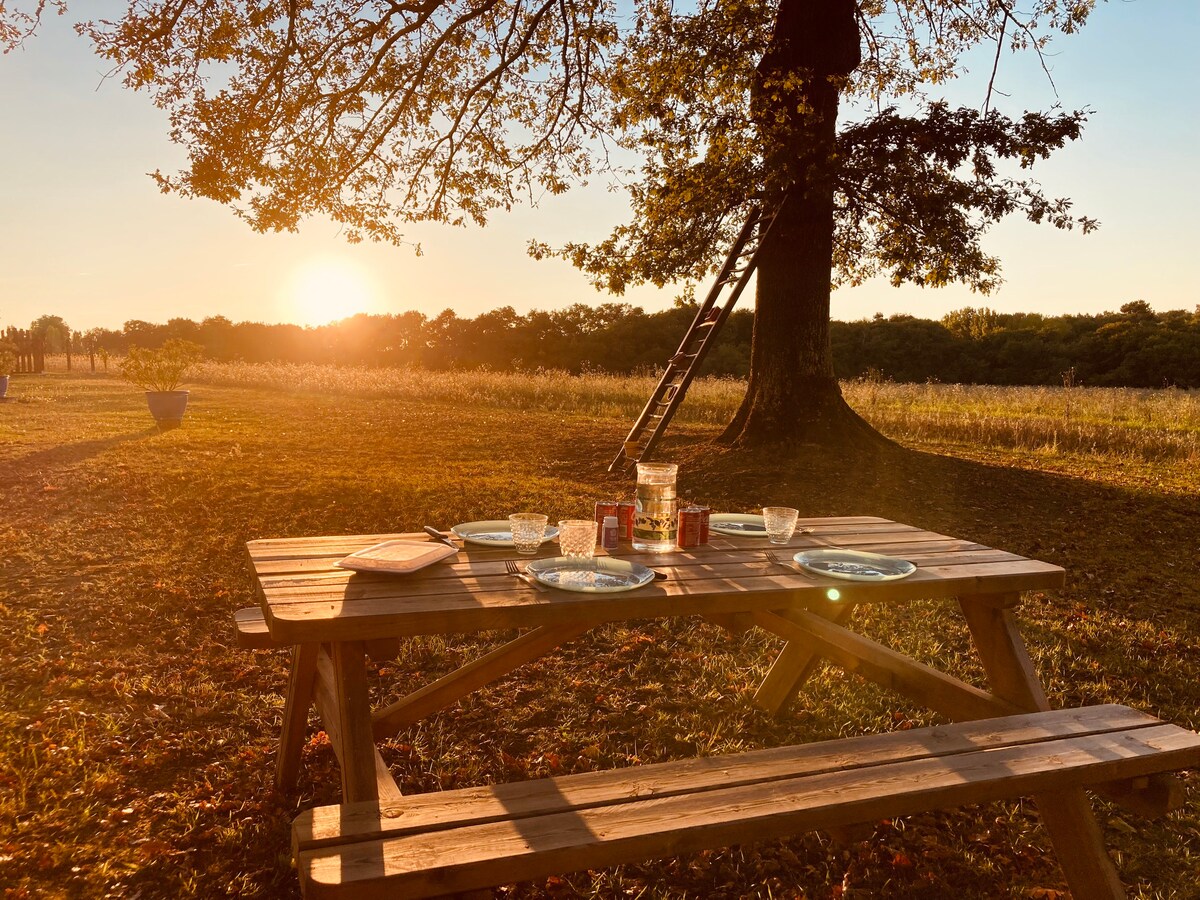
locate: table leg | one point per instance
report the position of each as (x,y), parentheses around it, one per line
(1067,815)
(795,663)
(357,756)
(295,715)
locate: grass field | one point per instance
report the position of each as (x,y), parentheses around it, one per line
(136,742)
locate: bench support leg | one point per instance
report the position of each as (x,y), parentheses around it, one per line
(295,715)
(795,663)
(1067,815)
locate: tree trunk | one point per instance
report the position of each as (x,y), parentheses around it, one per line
(793,394)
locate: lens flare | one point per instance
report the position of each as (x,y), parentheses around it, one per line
(327,289)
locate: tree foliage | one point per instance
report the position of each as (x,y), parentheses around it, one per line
(53,330)
(1133,347)
(379,113)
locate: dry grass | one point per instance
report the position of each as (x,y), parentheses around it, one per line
(710,401)
(1127,423)
(1107,422)
(136,743)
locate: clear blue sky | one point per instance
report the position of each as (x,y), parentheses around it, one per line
(85,234)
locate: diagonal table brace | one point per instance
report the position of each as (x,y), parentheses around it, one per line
(873,661)
(471,677)
(796,662)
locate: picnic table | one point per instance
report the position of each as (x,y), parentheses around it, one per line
(334,620)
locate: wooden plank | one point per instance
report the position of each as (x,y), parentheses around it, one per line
(1150,797)
(321,572)
(341,699)
(383,649)
(252,631)
(840,531)
(336,546)
(329,825)
(358,746)
(471,677)
(796,662)
(735,624)
(301,684)
(713,574)
(332,713)
(998,641)
(1078,842)
(884,666)
(713,577)
(354,614)
(478,856)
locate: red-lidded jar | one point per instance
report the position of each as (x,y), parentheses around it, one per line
(605,508)
(625,513)
(691,521)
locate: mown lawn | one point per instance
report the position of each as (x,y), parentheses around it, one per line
(136,742)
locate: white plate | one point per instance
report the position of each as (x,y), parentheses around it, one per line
(494,533)
(397,556)
(599,575)
(737,524)
(854,565)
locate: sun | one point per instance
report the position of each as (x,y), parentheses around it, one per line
(327,288)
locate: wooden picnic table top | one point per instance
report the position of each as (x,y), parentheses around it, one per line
(307,599)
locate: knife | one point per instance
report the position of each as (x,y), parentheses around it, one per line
(438,536)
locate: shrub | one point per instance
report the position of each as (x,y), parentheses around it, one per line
(162,369)
(8,357)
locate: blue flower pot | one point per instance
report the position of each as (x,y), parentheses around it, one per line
(167,407)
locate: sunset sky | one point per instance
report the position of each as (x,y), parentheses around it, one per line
(85,234)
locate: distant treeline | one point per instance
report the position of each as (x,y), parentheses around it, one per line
(1135,347)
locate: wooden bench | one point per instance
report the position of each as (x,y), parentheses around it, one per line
(463,840)
(252,631)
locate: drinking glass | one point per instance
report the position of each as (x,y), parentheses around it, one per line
(577,538)
(780,522)
(528,529)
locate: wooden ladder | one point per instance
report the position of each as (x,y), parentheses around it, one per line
(681,368)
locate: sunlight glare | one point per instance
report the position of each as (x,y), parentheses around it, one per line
(327,289)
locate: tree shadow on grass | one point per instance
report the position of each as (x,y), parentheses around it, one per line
(1099,532)
(71,454)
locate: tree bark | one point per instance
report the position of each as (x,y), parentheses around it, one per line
(792,393)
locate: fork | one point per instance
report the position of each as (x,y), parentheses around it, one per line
(510,566)
(787,562)
(780,560)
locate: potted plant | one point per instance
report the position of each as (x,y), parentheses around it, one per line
(159,373)
(8,362)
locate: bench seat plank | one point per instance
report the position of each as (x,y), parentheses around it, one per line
(532,829)
(252,631)
(445,809)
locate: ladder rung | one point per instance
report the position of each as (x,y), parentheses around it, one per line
(739,265)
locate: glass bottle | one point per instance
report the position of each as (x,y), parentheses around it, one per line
(655,505)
